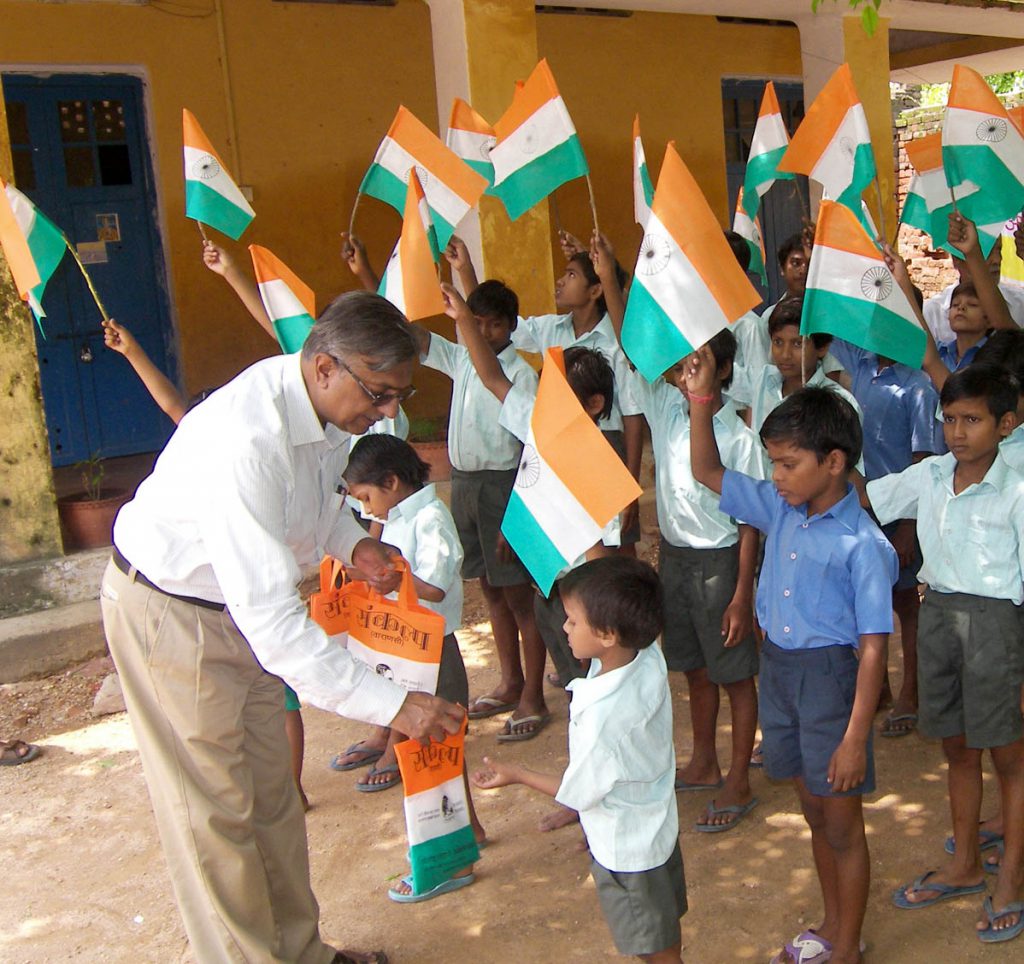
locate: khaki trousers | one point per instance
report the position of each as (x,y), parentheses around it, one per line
(209,723)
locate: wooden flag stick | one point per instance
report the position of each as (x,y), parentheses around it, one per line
(88,280)
(202,231)
(593,206)
(881,209)
(352,219)
(803,204)
(553,204)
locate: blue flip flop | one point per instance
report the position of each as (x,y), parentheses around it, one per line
(991,936)
(740,810)
(987,839)
(377,787)
(682,785)
(445,887)
(944,892)
(369,756)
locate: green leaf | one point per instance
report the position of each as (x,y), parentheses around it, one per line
(869,20)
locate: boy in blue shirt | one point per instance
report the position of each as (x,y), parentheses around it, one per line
(824,597)
(970,510)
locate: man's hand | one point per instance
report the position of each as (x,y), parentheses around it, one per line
(424,717)
(217,259)
(376,561)
(494,774)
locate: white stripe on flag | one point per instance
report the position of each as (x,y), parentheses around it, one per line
(279,300)
(471,145)
(204,168)
(392,287)
(396,159)
(971,128)
(834,170)
(860,277)
(541,132)
(24,210)
(769,135)
(428,805)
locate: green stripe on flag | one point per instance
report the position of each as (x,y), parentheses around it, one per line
(435,861)
(292,331)
(650,339)
(756,261)
(205,204)
(761,168)
(645,183)
(380,183)
(535,181)
(1001,194)
(863,173)
(916,214)
(531,543)
(864,324)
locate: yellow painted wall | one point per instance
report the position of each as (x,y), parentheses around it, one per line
(314,86)
(669,68)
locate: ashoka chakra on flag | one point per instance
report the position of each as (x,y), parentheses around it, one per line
(654,256)
(876,283)
(206,167)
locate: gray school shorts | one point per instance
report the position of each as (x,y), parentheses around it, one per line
(970,665)
(643,908)
(698,585)
(479,500)
(452,682)
(805,697)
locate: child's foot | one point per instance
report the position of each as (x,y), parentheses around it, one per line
(402,891)
(558,818)
(692,777)
(501,700)
(1001,920)
(359,754)
(521,728)
(935,886)
(729,807)
(757,758)
(900,721)
(383,774)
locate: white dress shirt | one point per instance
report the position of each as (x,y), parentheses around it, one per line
(241,500)
(622,765)
(475,439)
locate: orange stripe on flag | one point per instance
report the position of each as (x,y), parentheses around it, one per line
(820,124)
(195,138)
(419,277)
(636,127)
(838,228)
(464,118)
(574,447)
(1016,115)
(769,103)
(425,767)
(539,88)
(970,92)
(269,267)
(925,153)
(682,208)
(16,250)
(423,144)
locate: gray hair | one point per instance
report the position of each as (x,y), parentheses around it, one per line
(365,325)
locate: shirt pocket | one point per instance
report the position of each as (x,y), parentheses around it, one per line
(823,581)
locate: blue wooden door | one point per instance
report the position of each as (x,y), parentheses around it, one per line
(80,154)
(784,207)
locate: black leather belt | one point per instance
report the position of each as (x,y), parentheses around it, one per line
(126,567)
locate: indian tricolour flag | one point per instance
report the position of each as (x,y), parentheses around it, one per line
(570,482)
(747,227)
(441,839)
(450,185)
(643,189)
(537,148)
(767,147)
(981,144)
(833,143)
(289,301)
(471,138)
(33,245)
(687,285)
(410,279)
(852,294)
(929,202)
(211,196)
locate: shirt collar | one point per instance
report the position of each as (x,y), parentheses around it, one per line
(601,332)
(944,467)
(508,352)
(846,511)
(412,504)
(592,689)
(304,426)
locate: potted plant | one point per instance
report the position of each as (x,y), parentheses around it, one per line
(87,517)
(428,434)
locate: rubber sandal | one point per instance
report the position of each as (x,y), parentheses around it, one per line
(386,785)
(891,728)
(11,757)
(739,810)
(806,948)
(445,887)
(944,892)
(369,756)
(991,936)
(508,735)
(987,839)
(494,707)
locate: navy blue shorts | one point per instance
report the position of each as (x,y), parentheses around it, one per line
(805,699)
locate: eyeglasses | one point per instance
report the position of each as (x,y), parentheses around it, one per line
(377,399)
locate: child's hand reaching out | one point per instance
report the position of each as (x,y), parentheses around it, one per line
(700,373)
(457,254)
(118,338)
(570,244)
(217,259)
(494,774)
(454,304)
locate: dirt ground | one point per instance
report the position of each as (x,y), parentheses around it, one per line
(85,879)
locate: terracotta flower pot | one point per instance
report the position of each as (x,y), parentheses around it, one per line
(435,454)
(87,523)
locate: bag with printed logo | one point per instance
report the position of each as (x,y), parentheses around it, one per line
(329,607)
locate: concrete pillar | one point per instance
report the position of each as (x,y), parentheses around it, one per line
(480,51)
(29,528)
(830,39)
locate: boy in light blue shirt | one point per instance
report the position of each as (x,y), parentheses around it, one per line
(824,597)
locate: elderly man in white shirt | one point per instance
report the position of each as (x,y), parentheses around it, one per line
(203,618)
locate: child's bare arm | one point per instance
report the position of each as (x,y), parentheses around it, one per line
(494,774)
(849,763)
(598,551)
(165,394)
(354,255)
(603,257)
(705,459)
(220,262)
(457,255)
(738,619)
(964,234)
(932,365)
(480,353)
(426,591)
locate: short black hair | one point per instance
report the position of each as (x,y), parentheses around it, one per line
(589,373)
(787,312)
(918,296)
(998,386)
(723,347)
(740,249)
(1004,347)
(582,260)
(819,420)
(374,459)
(964,288)
(795,242)
(620,595)
(495,299)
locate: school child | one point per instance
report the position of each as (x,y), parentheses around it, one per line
(794,256)
(706,566)
(823,598)
(970,510)
(899,406)
(1006,348)
(621,764)
(797,362)
(753,349)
